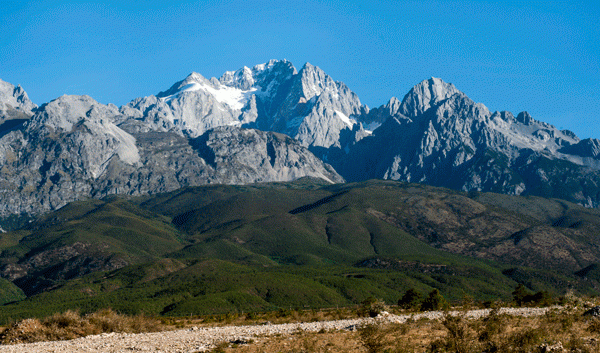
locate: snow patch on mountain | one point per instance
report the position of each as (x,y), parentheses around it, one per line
(234,97)
(126,146)
(369,128)
(345,119)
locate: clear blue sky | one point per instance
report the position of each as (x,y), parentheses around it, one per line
(538,56)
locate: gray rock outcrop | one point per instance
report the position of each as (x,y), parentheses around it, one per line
(15,107)
(14,101)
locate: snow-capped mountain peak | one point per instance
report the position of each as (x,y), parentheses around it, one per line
(259,76)
(270,64)
(307,105)
(192,81)
(197,104)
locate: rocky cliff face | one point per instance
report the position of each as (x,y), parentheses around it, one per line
(317,110)
(75,147)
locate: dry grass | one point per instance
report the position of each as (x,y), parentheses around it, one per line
(566,331)
(557,331)
(71,324)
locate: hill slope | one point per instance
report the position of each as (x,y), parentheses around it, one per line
(305,243)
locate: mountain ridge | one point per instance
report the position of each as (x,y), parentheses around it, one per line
(436,134)
(75,148)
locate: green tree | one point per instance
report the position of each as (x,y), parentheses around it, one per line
(434,301)
(411,299)
(541,298)
(521,295)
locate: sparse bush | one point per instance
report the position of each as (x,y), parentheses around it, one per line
(371,307)
(372,337)
(220,348)
(404,327)
(108,320)
(411,299)
(556,321)
(569,299)
(524,340)
(437,346)
(28,330)
(467,302)
(67,319)
(459,337)
(594,325)
(434,301)
(493,325)
(577,344)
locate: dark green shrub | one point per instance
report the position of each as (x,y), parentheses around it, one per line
(520,294)
(371,307)
(541,298)
(521,297)
(434,301)
(411,299)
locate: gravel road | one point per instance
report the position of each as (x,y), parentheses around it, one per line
(203,339)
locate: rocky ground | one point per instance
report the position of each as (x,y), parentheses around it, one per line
(203,339)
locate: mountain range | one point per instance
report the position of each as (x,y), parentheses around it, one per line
(103,203)
(273,122)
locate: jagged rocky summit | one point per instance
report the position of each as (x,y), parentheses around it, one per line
(15,106)
(438,136)
(267,123)
(306,105)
